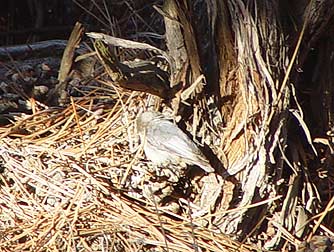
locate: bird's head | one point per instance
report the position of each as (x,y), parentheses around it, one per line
(145,118)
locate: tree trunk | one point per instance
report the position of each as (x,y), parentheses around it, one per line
(252,61)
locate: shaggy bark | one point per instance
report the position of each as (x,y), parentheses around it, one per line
(244,49)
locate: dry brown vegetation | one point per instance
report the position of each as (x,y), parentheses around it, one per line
(73,173)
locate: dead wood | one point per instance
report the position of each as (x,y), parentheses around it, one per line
(36,50)
(59,95)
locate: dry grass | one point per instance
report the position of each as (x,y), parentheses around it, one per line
(66,184)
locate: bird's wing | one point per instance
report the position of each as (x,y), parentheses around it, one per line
(167,135)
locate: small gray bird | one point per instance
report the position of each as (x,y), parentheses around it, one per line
(165,143)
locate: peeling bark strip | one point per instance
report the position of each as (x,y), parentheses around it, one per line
(139,75)
(66,63)
(180,39)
